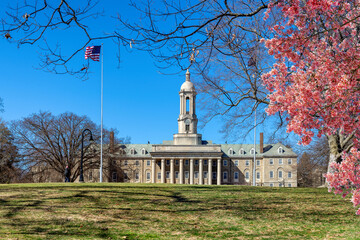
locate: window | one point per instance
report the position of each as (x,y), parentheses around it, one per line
(187,105)
(143,151)
(126,177)
(205,162)
(257,175)
(205,174)
(125,162)
(225,176)
(252,151)
(148,176)
(257,162)
(167,174)
(289,185)
(280,150)
(280,161)
(271,184)
(271,161)
(137,163)
(289,161)
(214,163)
(196,162)
(280,174)
(167,162)
(159,176)
(114,177)
(236,175)
(214,175)
(187,127)
(247,175)
(176,175)
(176,162)
(114,162)
(236,162)
(137,176)
(247,162)
(148,163)
(225,162)
(280,184)
(132,151)
(187,162)
(186,174)
(90,176)
(289,175)
(241,152)
(196,174)
(230,151)
(271,174)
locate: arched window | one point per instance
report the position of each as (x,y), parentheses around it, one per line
(187,105)
(230,151)
(132,151)
(280,150)
(241,152)
(252,151)
(187,125)
(143,151)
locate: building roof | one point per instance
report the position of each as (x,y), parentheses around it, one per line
(270,150)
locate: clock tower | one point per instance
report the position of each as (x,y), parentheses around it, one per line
(187,121)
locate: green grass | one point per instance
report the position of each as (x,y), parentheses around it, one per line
(159,211)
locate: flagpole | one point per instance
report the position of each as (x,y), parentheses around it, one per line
(254,166)
(102,101)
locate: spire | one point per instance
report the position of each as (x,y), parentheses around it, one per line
(187,75)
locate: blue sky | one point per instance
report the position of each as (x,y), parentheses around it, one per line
(138,100)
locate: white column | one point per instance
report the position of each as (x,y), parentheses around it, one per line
(191,171)
(162,170)
(218,180)
(153,174)
(172,173)
(201,172)
(210,171)
(181,171)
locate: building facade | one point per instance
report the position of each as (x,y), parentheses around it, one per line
(188,159)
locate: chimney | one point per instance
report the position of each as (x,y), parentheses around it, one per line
(111,142)
(261,142)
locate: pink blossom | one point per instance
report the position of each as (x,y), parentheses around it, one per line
(320,92)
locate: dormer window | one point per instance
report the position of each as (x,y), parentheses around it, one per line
(230,151)
(242,152)
(280,150)
(252,151)
(132,151)
(143,151)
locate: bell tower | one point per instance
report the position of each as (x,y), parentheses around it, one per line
(187,121)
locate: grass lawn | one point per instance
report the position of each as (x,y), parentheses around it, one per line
(160,211)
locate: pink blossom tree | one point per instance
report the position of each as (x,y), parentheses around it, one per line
(315,80)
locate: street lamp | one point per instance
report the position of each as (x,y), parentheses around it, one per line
(81,179)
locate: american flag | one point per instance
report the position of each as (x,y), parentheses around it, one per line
(93,52)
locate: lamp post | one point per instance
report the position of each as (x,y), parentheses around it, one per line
(81,179)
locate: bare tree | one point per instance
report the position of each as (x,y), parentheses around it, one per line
(8,155)
(218,39)
(47,142)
